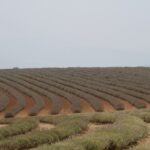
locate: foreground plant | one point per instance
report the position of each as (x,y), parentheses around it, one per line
(64,129)
(125,131)
(18,127)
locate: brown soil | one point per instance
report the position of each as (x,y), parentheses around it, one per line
(3,125)
(66,108)
(107,106)
(127,105)
(1,115)
(146,103)
(12,103)
(86,106)
(46,110)
(45,126)
(144,140)
(26,110)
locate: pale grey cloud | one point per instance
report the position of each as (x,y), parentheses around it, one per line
(38,33)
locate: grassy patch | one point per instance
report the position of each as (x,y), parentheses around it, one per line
(18,127)
(64,129)
(126,130)
(103,118)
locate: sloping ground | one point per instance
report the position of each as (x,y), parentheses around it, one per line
(66,108)
(46,91)
(26,110)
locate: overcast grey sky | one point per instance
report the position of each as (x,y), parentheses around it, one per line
(63,33)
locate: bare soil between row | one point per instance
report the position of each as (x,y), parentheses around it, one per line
(66,107)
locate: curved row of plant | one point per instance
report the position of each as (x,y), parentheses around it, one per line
(47,89)
(65,127)
(126,128)
(36,93)
(20,100)
(125,91)
(92,100)
(73,87)
(98,90)
(39,103)
(126,81)
(17,127)
(102,88)
(125,131)
(4,101)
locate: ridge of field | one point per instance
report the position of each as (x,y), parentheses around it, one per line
(43,91)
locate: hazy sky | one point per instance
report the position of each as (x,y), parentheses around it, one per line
(63,33)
